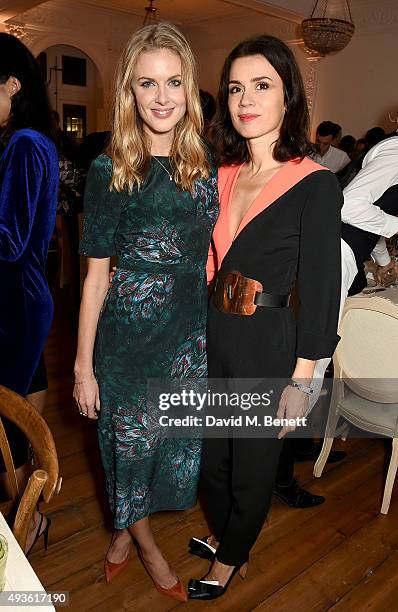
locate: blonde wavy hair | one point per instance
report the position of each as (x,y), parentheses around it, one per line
(129,147)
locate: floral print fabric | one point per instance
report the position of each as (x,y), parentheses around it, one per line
(152,325)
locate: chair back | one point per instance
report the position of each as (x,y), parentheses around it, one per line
(367,354)
(45,480)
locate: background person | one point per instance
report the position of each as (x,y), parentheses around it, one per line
(28,202)
(327,155)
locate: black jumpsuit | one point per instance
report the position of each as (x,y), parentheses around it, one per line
(290,234)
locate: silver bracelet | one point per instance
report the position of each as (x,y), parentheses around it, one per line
(301,387)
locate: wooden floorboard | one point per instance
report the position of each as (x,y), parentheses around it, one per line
(340,556)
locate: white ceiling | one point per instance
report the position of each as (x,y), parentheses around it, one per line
(188,12)
(191,12)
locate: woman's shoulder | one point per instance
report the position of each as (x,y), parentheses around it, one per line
(102,163)
(319,186)
(314,173)
(227,170)
(101,169)
(29,138)
(307,166)
(27,143)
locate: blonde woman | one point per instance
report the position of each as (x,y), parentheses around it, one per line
(153,201)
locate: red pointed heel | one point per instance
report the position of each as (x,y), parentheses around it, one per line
(177,591)
(113,569)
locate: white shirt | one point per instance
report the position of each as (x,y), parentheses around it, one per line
(379,172)
(334,159)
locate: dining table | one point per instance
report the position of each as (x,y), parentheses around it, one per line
(23,589)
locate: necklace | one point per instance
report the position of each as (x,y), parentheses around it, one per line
(164,167)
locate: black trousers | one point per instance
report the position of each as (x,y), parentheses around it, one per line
(236,481)
(285,472)
(238,474)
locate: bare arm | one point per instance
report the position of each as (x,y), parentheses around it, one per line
(94,291)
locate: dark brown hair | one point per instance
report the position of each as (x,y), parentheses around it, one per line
(30,107)
(293,142)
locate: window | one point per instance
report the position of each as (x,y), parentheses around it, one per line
(74,123)
(42,61)
(73,71)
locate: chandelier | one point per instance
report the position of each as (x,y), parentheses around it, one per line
(17,29)
(324,33)
(150,14)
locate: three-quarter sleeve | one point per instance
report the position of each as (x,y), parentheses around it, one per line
(24,169)
(101,211)
(319,271)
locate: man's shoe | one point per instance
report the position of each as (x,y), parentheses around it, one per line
(334,456)
(296,497)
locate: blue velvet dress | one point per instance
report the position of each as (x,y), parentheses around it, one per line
(28,201)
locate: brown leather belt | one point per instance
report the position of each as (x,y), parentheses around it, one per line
(237,294)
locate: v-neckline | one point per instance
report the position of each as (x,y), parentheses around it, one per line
(254,201)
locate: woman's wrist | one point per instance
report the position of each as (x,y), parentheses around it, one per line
(303,386)
(82,381)
(304,371)
(83,372)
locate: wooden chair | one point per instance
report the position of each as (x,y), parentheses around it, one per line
(365,385)
(45,479)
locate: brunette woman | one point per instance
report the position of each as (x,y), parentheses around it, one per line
(279,225)
(28,202)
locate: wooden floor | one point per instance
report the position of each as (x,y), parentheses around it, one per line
(341,556)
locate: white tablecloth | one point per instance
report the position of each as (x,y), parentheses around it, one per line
(20,575)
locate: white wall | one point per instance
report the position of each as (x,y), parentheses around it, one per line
(355,88)
(213,41)
(90,96)
(98,33)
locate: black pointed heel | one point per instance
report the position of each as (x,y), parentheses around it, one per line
(39,533)
(206,589)
(200,548)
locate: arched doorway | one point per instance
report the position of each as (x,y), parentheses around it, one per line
(75,89)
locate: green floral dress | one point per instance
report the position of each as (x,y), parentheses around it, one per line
(152,325)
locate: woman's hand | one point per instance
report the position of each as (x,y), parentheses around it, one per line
(386,275)
(86,396)
(292,405)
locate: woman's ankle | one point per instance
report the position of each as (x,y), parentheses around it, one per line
(220,572)
(212,541)
(151,553)
(121,539)
(35,520)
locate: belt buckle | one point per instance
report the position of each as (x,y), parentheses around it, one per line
(235,293)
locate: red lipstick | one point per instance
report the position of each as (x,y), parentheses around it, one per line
(247,117)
